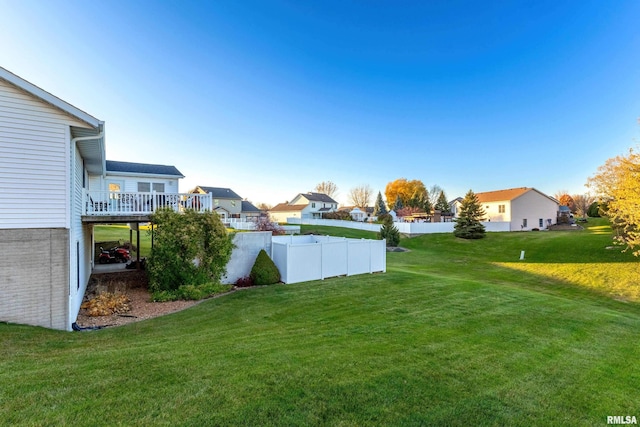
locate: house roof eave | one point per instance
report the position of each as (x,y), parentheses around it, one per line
(49,98)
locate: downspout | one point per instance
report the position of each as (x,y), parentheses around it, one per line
(74,142)
(73,147)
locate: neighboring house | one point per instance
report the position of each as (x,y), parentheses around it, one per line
(359,214)
(49,150)
(454,206)
(304,206)
(524,208)
(228,204)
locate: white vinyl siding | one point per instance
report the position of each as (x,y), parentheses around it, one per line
(79,241)
(34,161)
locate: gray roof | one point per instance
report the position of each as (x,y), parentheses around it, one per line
(318,197)
(142,168)
(248,207)
(220,193)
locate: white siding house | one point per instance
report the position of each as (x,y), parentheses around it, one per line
(524,208)
(49,149)
(304,206)
(228,204)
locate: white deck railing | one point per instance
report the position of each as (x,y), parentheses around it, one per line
(134,203)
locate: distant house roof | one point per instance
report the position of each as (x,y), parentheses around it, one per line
(317,197)
(509,194)
(285,207)
(219,192)
(142,168)
(249,207)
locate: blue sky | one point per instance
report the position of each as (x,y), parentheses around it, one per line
(270,98)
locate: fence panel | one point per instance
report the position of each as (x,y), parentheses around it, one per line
(304,263)
(378,253)
(279,257)
(359,257)
(334,258)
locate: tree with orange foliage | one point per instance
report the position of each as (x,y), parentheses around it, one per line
(412,193)
(565,199)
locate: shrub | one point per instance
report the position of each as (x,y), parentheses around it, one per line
(264,271)
(244,282)
(342,215)
(190,249)
(383,217)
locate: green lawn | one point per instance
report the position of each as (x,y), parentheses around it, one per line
(455,333)
(108,233)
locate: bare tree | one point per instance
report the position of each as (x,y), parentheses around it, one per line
(434,193)
(582,203)
(328,188)
(361,195)
(264,206)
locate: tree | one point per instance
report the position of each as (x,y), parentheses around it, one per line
(468,224)
(264,206)
(398,204)
(565,199)
(434,194)
(389,231)
(582,203)
(328,188)
(594,210)
(617,187)
(380,208)
(411,193)
(442,204)
(264,223)
(360,196)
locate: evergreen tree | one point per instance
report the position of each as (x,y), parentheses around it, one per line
(442,204)
(468,224)
(389,231)
(398,204)
(594,210)
(380,208)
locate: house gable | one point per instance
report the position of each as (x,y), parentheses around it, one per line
(36,135)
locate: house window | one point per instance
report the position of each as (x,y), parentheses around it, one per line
(313,205)
(524,223)
(216,202)
(146,187)
(540,222)
(501,209)
(233,203)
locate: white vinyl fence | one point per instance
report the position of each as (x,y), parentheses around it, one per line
(305,258)
(410,228)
